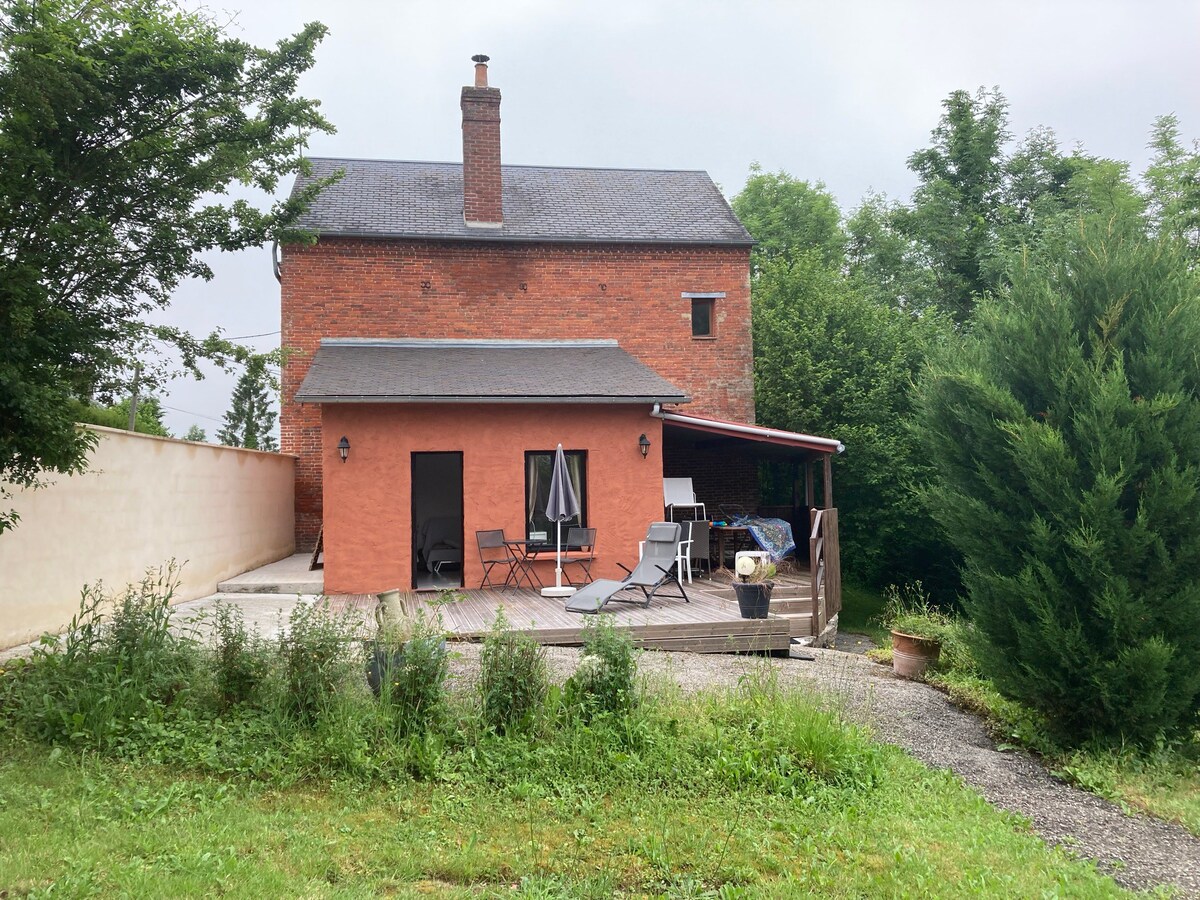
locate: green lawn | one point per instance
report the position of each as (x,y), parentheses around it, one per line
(90,827)
(135,762)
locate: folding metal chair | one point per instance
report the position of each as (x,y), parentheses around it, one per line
(585,540)
(493,551)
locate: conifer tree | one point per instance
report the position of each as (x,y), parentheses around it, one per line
(249,421)
(1065,431)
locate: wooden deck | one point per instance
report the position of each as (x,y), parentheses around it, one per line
(710,623)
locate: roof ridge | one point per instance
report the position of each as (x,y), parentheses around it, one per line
(449,343)
(458,165)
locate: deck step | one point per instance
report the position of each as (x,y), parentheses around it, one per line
(800,623)
(791,604)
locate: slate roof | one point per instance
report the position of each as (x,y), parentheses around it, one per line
(370,370)
(398,199)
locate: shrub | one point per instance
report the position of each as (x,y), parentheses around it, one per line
(240,658)
(316,661)
(604,679)
(108,670)
(513,681)
(1065,431)
(413,668)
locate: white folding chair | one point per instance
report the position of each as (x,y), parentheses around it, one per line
(679,494)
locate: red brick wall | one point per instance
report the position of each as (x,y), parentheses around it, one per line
(725,480)
(344,287)
(482,194)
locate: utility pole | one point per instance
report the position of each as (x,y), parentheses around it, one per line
(133,396)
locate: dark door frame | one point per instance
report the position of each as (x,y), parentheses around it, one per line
(412,511)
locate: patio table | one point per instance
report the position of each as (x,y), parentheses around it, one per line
(526,555)
(734,533)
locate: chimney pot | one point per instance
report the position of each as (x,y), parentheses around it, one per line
(481,61)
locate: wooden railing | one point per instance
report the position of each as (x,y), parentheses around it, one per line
(825,566)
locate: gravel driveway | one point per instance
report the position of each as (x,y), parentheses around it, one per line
(1138,851)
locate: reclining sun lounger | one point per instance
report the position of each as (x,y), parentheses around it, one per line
(653,572)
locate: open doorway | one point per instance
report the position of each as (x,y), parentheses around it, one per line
(437,520)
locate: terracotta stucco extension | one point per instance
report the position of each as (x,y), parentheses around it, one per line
(343,287)
(368,538)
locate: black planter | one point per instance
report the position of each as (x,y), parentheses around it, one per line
(385,658)
(754,598)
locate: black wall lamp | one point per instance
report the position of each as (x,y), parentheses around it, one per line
(644,445)
(343,448)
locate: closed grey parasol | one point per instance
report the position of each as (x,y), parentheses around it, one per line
(560,506)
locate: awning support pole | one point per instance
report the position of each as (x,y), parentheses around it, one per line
(828,495)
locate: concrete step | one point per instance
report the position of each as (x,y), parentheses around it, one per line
(290,575)
(235,586)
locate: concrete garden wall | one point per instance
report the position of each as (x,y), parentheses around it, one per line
(143,501)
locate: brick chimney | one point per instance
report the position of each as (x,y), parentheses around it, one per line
(482,204)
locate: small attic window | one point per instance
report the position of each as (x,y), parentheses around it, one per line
(704,313)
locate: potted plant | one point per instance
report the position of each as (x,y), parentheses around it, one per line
(397,631)
(753,587)
(917,629)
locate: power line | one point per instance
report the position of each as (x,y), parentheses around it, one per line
(242,337)
(190,413)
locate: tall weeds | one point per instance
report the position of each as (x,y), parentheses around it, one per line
(513,681)
(241,662)
(412,673)
(604,682)
(317,664)
(119,662)
(128,684)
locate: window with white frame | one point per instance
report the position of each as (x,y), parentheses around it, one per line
(704,312)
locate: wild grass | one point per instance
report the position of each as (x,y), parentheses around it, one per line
(82,825)
(268,768)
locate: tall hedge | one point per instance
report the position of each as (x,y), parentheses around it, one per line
(830,360)
(1065,434)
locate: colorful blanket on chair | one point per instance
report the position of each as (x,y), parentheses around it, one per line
(773,535)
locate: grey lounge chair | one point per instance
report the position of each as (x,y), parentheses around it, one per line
(653,572)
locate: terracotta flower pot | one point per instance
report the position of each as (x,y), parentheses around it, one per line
(754,598)
(912,655)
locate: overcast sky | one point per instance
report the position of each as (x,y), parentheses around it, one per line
(834,92)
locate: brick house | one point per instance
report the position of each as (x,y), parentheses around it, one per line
(455,322)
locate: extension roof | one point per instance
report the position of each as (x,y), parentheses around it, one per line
(424,200)
(371,370)
(674,423)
